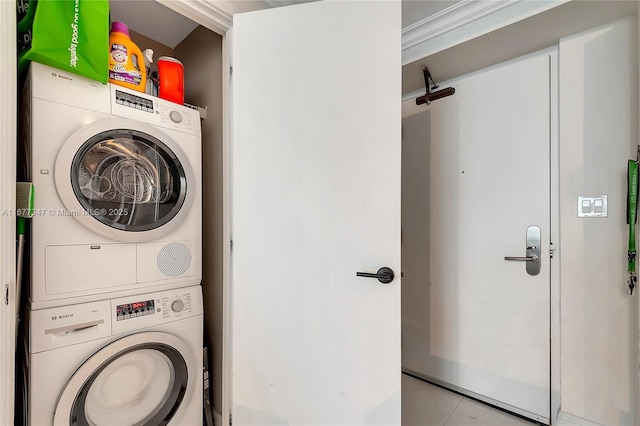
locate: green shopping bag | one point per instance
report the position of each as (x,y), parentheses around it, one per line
(24,21)
(71,35)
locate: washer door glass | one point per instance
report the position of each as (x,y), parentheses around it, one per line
(128,180)
(143,385)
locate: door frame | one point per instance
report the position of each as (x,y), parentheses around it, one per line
(8,135)
(554,181)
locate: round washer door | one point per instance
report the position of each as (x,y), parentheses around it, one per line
(124,180)
(141,379)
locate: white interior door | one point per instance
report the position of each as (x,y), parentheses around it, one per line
(487,327)
(316,198)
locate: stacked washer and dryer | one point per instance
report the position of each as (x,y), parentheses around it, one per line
(113,329)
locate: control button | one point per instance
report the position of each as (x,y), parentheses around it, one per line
(177,305)
(175,116)
(586,206)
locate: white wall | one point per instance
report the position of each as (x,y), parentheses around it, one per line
(598,133)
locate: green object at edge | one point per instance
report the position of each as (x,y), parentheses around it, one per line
(71,35)
(632,203)
(22,223)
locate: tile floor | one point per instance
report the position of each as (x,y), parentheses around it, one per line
(424,404)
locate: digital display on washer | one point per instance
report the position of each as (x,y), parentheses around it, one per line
(134,101)
(138,305)
(136,309)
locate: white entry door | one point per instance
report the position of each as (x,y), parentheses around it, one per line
(489,184)
(316,199)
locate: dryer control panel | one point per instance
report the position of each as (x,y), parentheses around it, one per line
(139,106)
(134,101)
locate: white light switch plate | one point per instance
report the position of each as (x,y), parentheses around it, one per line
(592,206)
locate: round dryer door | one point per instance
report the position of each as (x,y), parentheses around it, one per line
(141,379)
(124,180)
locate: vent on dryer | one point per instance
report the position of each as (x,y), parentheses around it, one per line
(174,259)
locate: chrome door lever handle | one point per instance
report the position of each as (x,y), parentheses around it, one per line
(533,243)
(532,258)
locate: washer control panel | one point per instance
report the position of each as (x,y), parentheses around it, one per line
(135,309)
(146,310)
(175,305)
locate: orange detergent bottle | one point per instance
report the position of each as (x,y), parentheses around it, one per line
(126,63)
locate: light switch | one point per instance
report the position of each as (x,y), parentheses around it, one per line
(592,206)
(598,205)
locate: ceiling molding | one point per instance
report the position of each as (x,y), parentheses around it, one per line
(278,3)
(464,21)
(215,15)
(450,19)
(271,3)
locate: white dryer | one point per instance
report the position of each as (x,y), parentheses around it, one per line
(128,361)
(118,196)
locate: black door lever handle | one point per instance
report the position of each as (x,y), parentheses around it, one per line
(384,275)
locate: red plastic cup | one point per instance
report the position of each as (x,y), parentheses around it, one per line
(171,79)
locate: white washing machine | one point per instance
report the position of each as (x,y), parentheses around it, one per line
(135,360)
(118,196)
